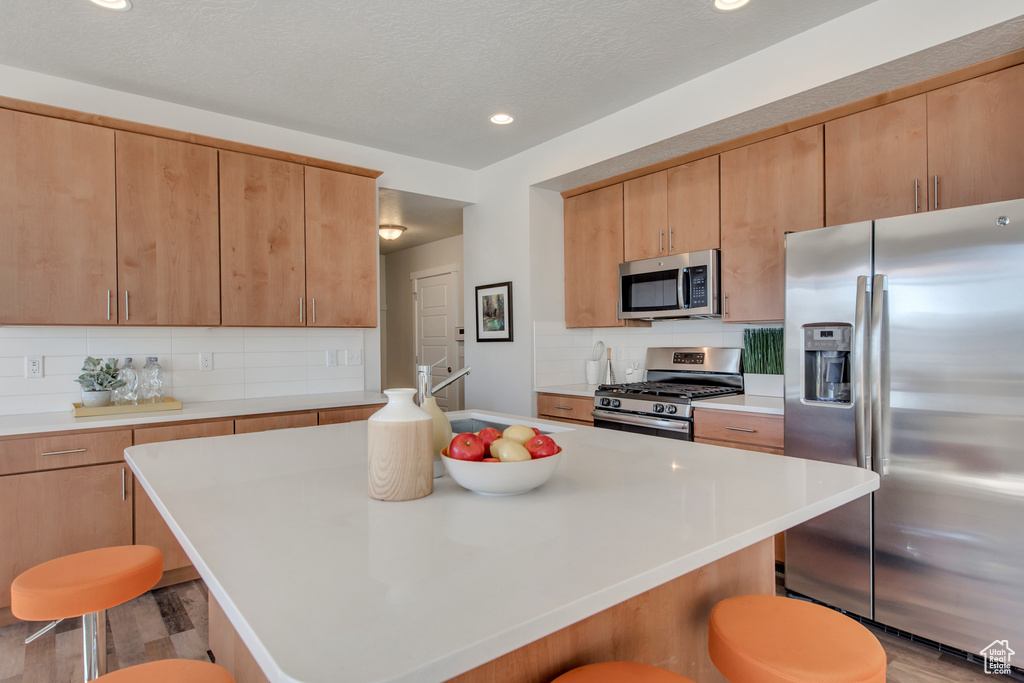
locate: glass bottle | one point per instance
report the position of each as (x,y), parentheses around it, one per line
(151,382)
(128,394)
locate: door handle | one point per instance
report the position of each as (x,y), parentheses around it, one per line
(449,370)
(935,190)
(861,415)
(879,371)
(300,309)
(917,197)
(661,241)
(126,315)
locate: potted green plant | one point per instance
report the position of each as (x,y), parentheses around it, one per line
(98,379)
(763,361)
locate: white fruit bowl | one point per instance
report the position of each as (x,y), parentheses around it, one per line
(501,478)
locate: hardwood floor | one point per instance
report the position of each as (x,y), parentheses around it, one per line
(172,622)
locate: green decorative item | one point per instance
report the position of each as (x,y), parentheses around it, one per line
(763,351)
(99,376)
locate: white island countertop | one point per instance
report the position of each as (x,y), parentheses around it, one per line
(324,584)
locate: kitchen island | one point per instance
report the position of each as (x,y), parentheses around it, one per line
(323,584)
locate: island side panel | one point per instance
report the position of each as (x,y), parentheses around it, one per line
(666,626)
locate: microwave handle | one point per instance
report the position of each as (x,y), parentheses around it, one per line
(684,288)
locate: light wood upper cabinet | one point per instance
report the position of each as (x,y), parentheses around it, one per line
(976,140)
(693,201)
(768,188)
(59,512)
(341,249)
(262,245)
(876,163)
(57,222)
(593,251)
(167,232)
(645,221)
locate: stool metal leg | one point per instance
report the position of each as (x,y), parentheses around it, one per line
(94,644)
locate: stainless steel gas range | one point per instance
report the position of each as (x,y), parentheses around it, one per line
(675,378)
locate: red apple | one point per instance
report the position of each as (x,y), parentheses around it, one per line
(489,435)
(536,431)
(541,446)
(467,446)
(491,460)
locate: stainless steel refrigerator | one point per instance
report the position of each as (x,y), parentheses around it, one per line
(905,354)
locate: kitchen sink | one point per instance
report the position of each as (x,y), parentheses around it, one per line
(477,421)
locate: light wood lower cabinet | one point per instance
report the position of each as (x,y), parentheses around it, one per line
(59,512)
(265,423)
(58,451)
(348,414)
(565,408)
(150,527)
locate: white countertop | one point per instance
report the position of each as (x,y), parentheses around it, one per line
(770,405)
(586,390)
(324,584)
(14,425)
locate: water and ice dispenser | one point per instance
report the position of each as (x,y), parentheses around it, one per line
(827,362)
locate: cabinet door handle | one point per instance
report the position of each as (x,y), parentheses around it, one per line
(670,247)
(661,241)
(917,197)
(300,309)
(727,304)
(564,407)
(935,191)
(73,450)
(108,304)
(741,429)
(314,310)
(126,315)
(124,491)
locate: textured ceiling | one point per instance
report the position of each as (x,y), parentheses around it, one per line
(413,77)
(425,218)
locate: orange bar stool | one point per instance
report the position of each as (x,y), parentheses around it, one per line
(86,585)
(620,672)
(170,671)
(770,639)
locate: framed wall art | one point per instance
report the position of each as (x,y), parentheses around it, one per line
(494,312)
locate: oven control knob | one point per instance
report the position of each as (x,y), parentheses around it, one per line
(606,401)
(658,408)
(670,409)
(616,403)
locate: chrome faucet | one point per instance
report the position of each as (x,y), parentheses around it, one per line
(423,387)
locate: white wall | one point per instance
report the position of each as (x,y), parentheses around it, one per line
(401,342)
(512,221)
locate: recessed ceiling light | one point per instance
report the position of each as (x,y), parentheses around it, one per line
(720,5)
(502,119)
(391,232)
(119,5)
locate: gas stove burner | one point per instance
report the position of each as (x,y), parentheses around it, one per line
(670,389)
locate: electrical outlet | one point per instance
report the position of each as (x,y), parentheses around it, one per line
(206,361)
(33,367)
(353,357)
(332,359)
(620,353)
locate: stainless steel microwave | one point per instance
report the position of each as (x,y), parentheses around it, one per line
(677,286)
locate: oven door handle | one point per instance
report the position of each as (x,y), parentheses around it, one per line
(672,425)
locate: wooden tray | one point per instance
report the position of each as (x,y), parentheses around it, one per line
(168,404)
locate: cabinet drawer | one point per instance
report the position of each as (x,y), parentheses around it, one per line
(176,432)
(267,422)
(349,414)
(62,450)
(755,429)
(562,407)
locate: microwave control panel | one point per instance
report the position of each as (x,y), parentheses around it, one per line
(698,278)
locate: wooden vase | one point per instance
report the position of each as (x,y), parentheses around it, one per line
(400,438)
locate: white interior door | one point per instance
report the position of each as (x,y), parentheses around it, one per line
(436,320)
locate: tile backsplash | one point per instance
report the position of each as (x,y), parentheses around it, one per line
(247,362)
(560,353)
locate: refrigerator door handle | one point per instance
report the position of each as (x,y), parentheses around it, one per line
(861,397)
(879,372)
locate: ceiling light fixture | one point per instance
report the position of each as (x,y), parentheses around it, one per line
(391,232)
(728,5)
(118,5)
(502,119)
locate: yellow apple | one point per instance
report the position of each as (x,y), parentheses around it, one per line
(507,450)
(518,433)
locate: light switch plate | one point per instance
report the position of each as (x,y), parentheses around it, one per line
(332,359)
(353,357)
(33,367)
